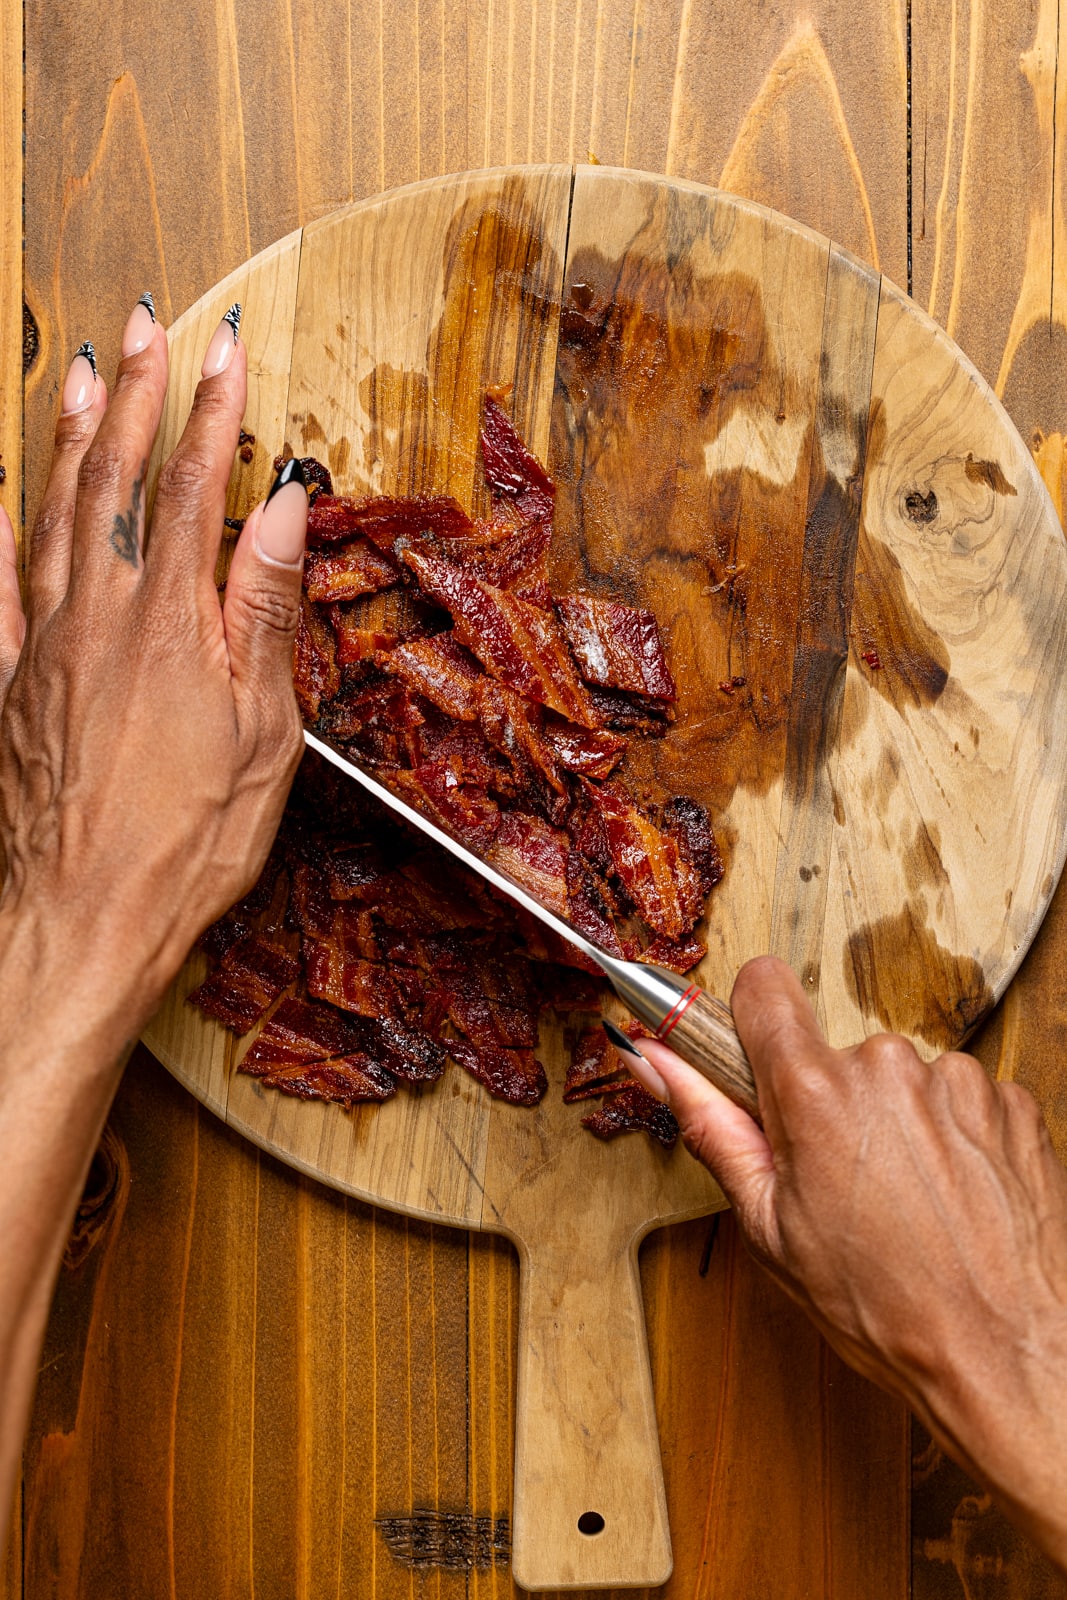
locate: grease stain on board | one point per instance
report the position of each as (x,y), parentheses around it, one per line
(899,973)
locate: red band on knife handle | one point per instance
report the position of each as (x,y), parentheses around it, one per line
(681,1005)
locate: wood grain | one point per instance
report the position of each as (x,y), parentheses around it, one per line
(193,169)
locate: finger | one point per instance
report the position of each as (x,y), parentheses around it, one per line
(83,404)
(726,1139)
(12,618)
(109,517)
(263,594)
(190,504)
(780,1034)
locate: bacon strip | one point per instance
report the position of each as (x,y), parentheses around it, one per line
(631,1109)
(332,518)
(595,1067)
(616,646)
(511,471)
(513,1075)
(518,643)
(314,1052)
(246,984)
(663,886)
(357,568)
(535,855)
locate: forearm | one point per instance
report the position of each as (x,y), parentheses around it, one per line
(65,1036)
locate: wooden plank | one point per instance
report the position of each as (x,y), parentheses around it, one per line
(990,117)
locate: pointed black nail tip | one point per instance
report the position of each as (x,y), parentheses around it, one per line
(289,472)
(148,303)
(233,317)
(619,1039)
(86,350)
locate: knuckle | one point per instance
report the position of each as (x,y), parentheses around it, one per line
(890,1053)
(184,475)
(268,610)
(103,468)
(1021,1105)
(52,521)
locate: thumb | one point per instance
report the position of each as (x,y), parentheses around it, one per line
(262,603)
(729,1143)
(12,616)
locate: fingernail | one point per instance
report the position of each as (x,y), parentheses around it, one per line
(223,343)
(140,326)
(638,1064)
(283,525)
(80,384)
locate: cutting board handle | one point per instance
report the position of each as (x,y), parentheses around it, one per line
(589,1507)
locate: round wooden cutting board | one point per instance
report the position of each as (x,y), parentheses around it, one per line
(862,584)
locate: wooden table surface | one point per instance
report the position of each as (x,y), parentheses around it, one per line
(250,1385)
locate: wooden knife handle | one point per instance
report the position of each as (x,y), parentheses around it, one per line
(701,1030)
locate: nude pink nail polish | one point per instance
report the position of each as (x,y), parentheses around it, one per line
(283,525)
(140,326)
(223,343)
(80,384)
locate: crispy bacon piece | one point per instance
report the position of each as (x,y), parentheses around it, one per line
(687,821)
(440,669)
(493,1002)
(385,520)
(515,558)
(616,646)
(535,855)
(242,989)
(462,809)
(595,1067)
(545,945)
(632,1108)
(662,885)
(357,568)
(351,984)
(628,713)
(313,1051)
(518,643)
(222,935)
(679,955)
(511,471)
(586,908)
(513,1075)
(316,675)
(357,644)
(589,752)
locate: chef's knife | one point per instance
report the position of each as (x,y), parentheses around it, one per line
(698,1026)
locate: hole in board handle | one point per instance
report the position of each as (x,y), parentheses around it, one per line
(590,1522)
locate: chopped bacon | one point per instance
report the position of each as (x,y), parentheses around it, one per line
(444,672)
(628,713)
(513,1075)
(595,1067)
(590,752)
(222,935)
(242,989)
(316,675)
(535,855)
(518,643)
(616,646)
(313,1051)
(385,520)
(586,909)
(661,884)
(357,568)
(462,809)
(356,644)
(678,955)
(632,1108)
(511,471)
(687,821)
(333,974)
(431,647)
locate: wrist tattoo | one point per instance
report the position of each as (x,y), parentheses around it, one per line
(124,533)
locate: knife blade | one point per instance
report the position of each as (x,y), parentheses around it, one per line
(698,1026)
